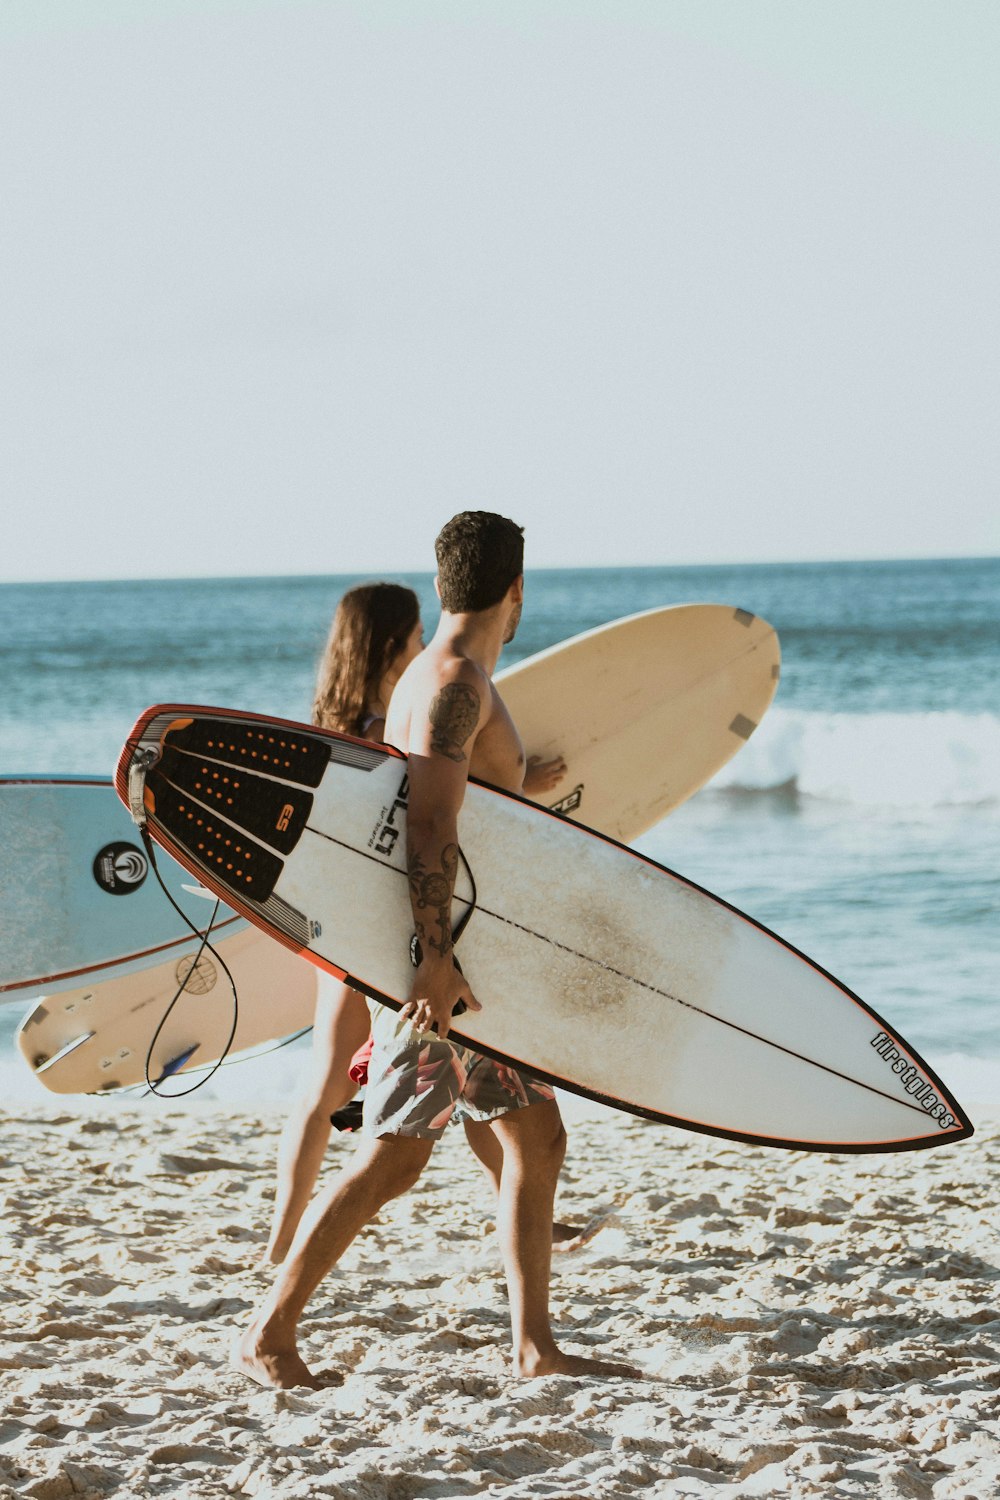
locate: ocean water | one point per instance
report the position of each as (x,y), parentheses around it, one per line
(861,822)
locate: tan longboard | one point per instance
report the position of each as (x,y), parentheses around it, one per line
(101,1036)
(644,710)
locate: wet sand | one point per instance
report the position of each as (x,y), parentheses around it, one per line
(810,1325)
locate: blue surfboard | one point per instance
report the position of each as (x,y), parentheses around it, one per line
(77,895)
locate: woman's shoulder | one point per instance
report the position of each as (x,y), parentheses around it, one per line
(373,728)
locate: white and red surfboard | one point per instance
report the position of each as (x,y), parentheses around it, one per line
(598,969)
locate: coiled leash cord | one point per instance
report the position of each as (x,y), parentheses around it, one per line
(204,943)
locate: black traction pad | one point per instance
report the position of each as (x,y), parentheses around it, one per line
(239,862)
(286,753)
(271,812)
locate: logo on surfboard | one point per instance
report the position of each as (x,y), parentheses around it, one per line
(197,976)
(569,803)
(913,1081)
(120,868)
(387,830)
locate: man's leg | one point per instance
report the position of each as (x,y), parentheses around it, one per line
(534,1142)
(380,1170)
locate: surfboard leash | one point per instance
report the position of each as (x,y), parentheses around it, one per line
(203,943)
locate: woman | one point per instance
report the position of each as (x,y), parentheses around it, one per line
(376,633)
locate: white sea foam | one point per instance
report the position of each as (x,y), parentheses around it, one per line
(878,759)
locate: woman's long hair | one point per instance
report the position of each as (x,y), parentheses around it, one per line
(370,627)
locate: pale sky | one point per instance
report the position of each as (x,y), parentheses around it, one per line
(283,285)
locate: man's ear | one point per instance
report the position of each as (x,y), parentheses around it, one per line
(437,587)
(516,590)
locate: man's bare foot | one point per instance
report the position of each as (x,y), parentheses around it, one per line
(530,1366)
(276,1368)
(275,1252)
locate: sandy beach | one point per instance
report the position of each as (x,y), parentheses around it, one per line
(810,1325)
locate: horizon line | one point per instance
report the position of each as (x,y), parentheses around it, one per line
(368,573)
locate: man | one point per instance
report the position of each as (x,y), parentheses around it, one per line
(447,716)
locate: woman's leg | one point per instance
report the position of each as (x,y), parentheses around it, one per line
(489,1153)
(487,1150)
(341,1026)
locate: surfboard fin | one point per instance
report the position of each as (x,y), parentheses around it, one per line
(44,1064)
(176,1063)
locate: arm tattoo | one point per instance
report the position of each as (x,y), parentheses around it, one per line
(454,715)
(431,891)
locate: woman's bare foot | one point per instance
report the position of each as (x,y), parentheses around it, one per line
(531,1365)
(567,1234)
(569,1237)
(270,1365)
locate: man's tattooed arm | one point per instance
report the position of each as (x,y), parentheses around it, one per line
(442,735)
(454,714)
(431,892)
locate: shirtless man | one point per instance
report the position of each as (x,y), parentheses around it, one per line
(448,717)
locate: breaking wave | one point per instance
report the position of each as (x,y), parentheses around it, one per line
(879,759)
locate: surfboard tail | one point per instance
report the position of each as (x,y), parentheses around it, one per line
(224,794)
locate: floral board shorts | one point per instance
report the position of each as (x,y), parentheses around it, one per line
(416,1082)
